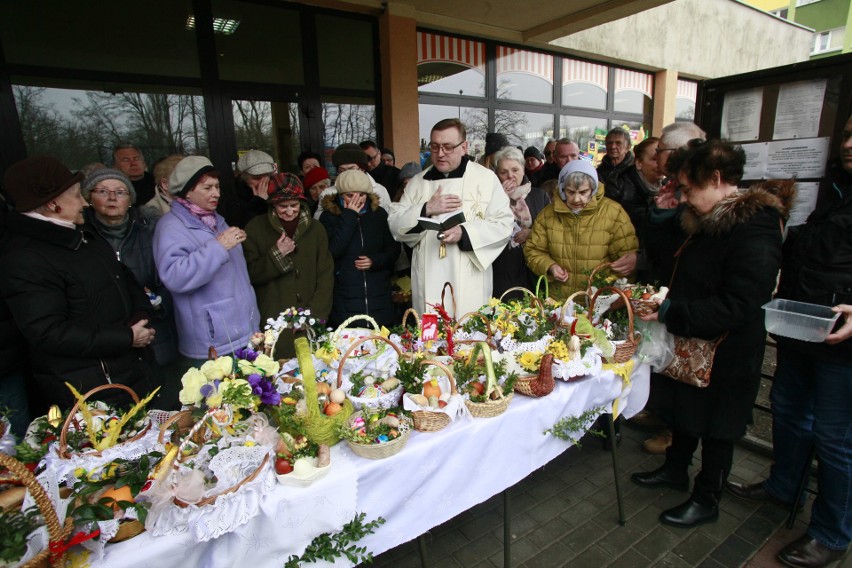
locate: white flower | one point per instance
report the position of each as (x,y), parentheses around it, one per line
(312,321)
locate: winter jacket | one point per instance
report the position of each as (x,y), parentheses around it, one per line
(351,235)
(136,252)
(818,262)
(624,185)
(725,272)
(75,304)
(302,279)
(600,232)
(510,268)
(214,302)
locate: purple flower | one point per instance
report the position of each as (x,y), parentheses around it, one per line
(246,354)
(265,389)
(206,390)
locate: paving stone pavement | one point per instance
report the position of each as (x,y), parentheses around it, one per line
(565,514)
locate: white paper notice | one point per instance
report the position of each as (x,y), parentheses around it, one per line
(755,167)
(806,198)
(799,109)
(797,158)
(741,114)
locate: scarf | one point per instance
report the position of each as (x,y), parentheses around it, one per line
(290,226)
(203,215)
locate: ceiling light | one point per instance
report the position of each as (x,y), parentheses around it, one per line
(220,25)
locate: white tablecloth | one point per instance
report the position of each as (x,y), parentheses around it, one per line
(434,478)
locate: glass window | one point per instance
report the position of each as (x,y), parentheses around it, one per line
(633,90)
(687,93)
(524,128)
(83,126)
(346,120)
(588,133)
(265,47)
(524,75)
(101,35)
(269,126)
(584,84)
(450,66)
(474,119)
(345,52)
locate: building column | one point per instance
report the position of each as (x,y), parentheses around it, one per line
(665,93)
(398,52)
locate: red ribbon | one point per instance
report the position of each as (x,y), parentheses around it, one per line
(448,326)
(58,547)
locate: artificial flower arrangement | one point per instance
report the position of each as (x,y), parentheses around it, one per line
(471,377)
(295,320)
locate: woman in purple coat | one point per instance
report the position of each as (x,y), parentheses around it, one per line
(200,260)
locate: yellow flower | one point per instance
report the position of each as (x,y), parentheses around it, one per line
(249,443)
(218,369)
(327,355)
(214,400)
(558,349)
(530,360)
(192,382)
(79,472)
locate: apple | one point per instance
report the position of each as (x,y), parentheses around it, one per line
(283,466)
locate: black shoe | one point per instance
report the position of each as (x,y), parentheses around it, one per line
(806,552)
(690,514)
(662,477)
(754,492)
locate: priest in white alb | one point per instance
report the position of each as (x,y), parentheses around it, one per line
(449,247)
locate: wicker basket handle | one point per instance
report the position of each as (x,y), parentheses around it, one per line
(63,435)
(571,299)
(542,278)
(452,297)
(631,334)
(336,335)
(526,291)
(489,333)
(164,427)
(351,350)
(55,530)
(601,266)
(444,369)
(410,312)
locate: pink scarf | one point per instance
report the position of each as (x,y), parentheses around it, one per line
(205,216)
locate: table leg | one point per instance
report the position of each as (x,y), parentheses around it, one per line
(421,546)
(507,529)
(614,450)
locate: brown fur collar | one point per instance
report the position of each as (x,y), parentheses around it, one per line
(741,206)
(330,204)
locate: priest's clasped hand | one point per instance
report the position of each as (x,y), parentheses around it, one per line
(440,203)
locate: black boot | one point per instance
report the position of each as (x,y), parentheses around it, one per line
(702,507)
(664,476)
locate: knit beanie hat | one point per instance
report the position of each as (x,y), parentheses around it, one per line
(316,175)
(34,181)
(583,166)
(533,152)
(495,141)
(283,187)
(353,181)
(256,163)
(349,154)
(98,176)
(409,170)
(186,174)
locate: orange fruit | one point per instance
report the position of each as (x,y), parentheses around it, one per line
(120,494)
(332,408)
(431,388)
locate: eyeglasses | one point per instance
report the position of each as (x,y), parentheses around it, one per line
(447,148)
(659,150)
(548,152)
(117,193)
(373,157)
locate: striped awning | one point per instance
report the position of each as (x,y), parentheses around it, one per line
(687,90)
(634,81)
(574,71)
(433,48)
(511,60)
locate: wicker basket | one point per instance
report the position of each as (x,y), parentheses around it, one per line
(452,297)
(529,293)
(63,436)
(319,428)
(381,451)
(524,384)
(360,331)
(426,421)
(386,400)
(489,408)
(489,334)
(57,532)
(624,350)
(181,455)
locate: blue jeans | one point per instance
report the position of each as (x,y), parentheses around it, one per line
(812,405)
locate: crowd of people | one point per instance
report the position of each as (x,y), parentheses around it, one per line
(124,276)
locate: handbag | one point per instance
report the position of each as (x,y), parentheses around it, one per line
(693,357)
(693,360)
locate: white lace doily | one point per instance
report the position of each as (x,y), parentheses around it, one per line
(589,364)
(510,345)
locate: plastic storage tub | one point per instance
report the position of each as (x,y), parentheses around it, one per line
(798,320)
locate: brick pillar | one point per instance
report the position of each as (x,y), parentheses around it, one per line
(398,49)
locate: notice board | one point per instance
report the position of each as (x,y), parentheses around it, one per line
(788,120)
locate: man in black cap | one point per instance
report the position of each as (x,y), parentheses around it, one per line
(533,165)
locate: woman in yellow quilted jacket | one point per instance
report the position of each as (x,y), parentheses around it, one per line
(578,231)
